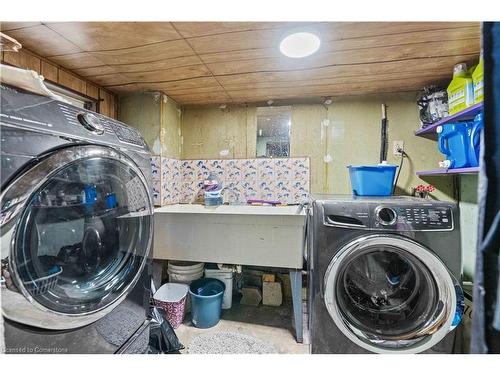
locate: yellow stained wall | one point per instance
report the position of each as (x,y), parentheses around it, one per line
(170,129)
(207,130)
(157,117)
(353,137)
(142,111)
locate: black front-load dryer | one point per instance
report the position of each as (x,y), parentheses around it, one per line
(76,226)
(384,275)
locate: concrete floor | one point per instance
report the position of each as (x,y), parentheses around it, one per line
(269,324)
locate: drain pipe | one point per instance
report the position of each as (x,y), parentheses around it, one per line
(383,135)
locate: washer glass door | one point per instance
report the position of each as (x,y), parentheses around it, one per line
(390,293)
(84,234)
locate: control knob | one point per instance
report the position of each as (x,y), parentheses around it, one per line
(91,122)
(386,215)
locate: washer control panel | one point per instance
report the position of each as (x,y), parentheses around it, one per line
(414,217)
(91,122)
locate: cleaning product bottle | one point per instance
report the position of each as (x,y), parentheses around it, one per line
(461,90)
(453,142)
(474,133)
(213,190)
(478,81)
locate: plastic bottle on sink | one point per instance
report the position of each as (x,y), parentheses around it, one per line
(213,190)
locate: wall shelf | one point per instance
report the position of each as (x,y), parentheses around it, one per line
(445,172)
(467,114)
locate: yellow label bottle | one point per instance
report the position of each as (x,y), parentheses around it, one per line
(461,90)
(478,81)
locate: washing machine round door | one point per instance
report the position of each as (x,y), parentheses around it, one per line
(388,293)
(76,235)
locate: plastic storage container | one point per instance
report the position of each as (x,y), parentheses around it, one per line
(453,142)
(474,134)
(226,276)
(171,298)
(460,90)
(478,81)
(213,190)
(206,302)
(375,180)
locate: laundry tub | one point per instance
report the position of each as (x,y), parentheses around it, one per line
(206,302)
(226,276)
(171,298)
(372,180)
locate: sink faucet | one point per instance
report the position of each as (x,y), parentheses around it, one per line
(235,194)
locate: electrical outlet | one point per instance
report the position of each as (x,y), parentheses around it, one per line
(397,145)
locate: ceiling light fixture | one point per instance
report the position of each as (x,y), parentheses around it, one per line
(299,45)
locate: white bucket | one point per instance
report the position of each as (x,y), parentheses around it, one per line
(184,272)
(185,267)
(175,277)
(226,276)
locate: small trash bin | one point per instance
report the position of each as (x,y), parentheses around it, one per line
(206,302)
(171,298)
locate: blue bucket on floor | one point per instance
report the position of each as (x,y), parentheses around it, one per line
(206,302)
(374,180)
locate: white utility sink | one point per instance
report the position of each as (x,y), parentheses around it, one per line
(236,234)
(233,234)
(232,209)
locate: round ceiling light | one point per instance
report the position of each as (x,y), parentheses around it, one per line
(299,45)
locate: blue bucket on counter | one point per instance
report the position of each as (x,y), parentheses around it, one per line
(374,180)
(206,302)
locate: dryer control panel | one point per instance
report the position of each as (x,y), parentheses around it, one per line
(414,217)
(394,214)
(47,115)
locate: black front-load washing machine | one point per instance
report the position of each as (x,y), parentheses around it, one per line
(384,275)
(76,229)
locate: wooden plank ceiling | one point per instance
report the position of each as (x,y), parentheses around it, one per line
(224,62)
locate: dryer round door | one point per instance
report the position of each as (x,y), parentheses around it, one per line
(388,293)
(76,235)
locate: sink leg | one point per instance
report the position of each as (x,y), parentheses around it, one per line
(296,283)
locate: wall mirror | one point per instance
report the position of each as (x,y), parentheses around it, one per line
(273,132)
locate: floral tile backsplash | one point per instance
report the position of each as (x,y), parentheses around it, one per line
(179,181)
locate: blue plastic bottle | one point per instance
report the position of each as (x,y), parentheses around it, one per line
(474,134)
(453,142)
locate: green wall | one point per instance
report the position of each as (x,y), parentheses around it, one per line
(157,117)
(351,138)
(142,111)
(468,223)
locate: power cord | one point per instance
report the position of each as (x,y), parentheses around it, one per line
(403,155)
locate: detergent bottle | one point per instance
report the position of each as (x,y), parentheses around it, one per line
(461,90)
(453,142)
(474,134)
(478,81)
